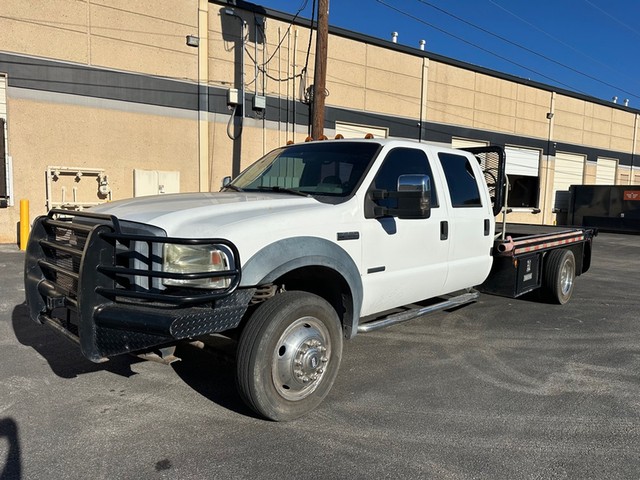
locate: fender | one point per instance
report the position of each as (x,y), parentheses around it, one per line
(286,255)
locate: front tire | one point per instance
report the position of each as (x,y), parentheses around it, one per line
(288,355)
(559,275)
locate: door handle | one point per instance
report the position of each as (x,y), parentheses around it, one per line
(487,227)
(444,230)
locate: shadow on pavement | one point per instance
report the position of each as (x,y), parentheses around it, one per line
(211,373)
(12,470)
(64,358)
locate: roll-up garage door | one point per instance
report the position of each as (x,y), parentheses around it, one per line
(350,130)
(606,171)
(3,141)
(522,161)
(568,171)
(466,143)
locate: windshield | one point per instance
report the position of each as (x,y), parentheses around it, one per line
(314,168)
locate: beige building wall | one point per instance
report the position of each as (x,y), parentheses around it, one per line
(374,79)
(92,138)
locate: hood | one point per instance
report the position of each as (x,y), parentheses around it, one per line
(176,213)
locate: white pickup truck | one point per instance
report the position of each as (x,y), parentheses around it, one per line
(310,245)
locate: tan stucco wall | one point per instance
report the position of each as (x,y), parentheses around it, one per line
(149,38)
(46,134)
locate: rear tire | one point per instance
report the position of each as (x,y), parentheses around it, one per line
(559,275)
(288,355)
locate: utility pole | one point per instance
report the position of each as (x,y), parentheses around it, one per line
(320,72)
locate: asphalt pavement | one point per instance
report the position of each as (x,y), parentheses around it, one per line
(499,389)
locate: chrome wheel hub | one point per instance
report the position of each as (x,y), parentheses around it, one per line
(300,358)
(566,277)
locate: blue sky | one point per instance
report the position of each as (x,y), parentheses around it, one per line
(586,46)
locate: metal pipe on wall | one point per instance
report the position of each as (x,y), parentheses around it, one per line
(295,51)
(633,148)
(204,175)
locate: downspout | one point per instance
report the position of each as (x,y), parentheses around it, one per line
(204,177)
(295,95)
(423,96)
(550,116)
(633,147)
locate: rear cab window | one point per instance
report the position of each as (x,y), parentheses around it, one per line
(461,180)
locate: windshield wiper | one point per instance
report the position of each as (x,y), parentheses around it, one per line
(276,188)
(230,186)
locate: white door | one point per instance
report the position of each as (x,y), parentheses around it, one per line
(606,171)
(568,170)
(470,222)
(403,261)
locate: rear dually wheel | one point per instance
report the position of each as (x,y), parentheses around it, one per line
(559,275)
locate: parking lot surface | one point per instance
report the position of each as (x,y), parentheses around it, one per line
(500,388)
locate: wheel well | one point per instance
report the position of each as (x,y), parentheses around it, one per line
(324,282)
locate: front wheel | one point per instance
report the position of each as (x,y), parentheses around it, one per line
(288,355)
(559,275)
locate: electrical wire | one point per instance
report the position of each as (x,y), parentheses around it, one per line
(612,17)
(231,117)
(302,7)
(313,13)
(263,66)
(556,39)
(478,47)
(526,49)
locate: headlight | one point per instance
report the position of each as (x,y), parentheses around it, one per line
(195,259)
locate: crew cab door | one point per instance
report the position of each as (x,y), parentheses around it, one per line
(403,260)
(471,221)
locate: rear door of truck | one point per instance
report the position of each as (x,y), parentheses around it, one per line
(471,222)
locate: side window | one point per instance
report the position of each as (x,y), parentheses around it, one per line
(402,161)
(461,180)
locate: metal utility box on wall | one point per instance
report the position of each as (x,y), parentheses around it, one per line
(154,182)
(608,207)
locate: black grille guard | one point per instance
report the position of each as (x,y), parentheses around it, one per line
(86,263)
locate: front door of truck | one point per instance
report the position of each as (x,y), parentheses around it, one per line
(404,260)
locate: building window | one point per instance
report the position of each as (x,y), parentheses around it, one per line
(522,168)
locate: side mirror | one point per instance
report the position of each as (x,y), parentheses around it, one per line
(414,196)
(226,181)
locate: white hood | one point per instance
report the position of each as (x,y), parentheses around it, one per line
(196,214)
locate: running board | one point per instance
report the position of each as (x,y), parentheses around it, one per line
(411,314)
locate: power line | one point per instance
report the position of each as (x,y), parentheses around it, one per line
(526,49)
(556,39)
(613,18)
(478,47)
(302,7)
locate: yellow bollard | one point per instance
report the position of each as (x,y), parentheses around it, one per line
(24,224)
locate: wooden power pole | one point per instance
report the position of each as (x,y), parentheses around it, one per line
(320,72)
